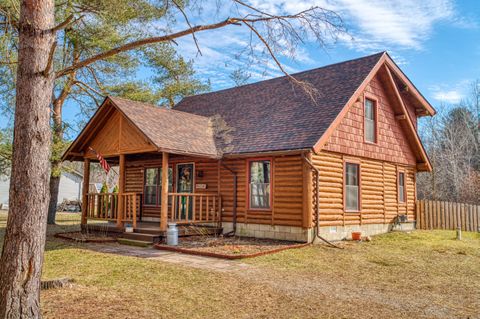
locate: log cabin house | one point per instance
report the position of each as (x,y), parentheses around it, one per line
(265,159)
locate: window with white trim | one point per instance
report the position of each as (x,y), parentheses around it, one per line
(259,184)
(352,187)
(401,187)
(370,121)
(153,185)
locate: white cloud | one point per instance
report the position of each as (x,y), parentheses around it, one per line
(374,25)
(450,93)
(405,24)
(451,96)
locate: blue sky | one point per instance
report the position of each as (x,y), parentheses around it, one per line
(435,42)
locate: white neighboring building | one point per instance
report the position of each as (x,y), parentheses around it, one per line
(70,187)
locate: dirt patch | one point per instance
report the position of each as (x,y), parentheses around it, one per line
(86,237)
(229,247)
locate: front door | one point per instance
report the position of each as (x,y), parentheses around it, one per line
(185,176)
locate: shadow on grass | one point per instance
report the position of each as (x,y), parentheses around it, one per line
(65,222)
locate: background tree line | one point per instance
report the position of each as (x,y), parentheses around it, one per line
(452,141)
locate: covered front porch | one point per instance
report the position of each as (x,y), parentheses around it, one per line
(178,202)
(144,141)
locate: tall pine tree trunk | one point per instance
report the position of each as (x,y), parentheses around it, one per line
(24,242)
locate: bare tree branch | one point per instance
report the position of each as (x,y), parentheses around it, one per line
(189,25)
(139,43)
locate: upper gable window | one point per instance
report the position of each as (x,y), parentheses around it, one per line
(370,121)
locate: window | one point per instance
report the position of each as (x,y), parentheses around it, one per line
(370,121)
(352,187)
(153,185)
(401,187)
(259,184)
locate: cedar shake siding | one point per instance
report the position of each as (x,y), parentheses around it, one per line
(392,144)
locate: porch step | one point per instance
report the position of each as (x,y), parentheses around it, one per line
(145,237)
(131,242)
(146,230)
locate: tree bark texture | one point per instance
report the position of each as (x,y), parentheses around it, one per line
(22,256)
(54,189)
(56,165)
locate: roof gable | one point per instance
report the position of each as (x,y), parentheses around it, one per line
(122,126)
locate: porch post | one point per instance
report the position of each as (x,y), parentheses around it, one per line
(85,186)
(164,207)
(121,190)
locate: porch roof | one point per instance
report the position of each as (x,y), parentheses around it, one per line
(165,130)
(170,130)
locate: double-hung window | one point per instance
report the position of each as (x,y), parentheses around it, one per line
(401,187)
(370,121)
(259,184)
(352,187)
(153,185)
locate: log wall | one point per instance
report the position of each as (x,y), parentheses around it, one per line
(378,190)
(287,185)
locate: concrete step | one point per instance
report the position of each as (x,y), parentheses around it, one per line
(151,238)
(131,242)
(152,231)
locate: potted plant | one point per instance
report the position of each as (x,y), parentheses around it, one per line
(356,235)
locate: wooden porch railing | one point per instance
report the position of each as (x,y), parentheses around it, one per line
(131,202)
(104,206)
(185,208)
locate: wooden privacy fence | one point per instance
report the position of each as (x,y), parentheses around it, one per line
(447,215)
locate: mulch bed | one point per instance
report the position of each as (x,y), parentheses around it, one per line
(229,247)
(86,237)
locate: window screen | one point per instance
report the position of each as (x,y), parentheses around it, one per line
(352,187)
(260,184)
(401,187)
(151,186)
(370,129)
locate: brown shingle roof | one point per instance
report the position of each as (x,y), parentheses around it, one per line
(171,130)
(275,115)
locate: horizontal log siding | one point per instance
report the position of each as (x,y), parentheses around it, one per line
(226,189)
(379,195)
(288,191)
(287,186)
(135,177)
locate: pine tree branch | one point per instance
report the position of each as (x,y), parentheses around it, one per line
(66,23)
(135,44)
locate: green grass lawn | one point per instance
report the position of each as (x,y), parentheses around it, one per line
(397,275)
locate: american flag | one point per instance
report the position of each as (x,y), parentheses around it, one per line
(103,162)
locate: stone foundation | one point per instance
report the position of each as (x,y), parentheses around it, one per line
(292,233)
(334,233)
(299,234)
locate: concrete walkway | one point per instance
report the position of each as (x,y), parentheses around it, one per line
(172,257)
